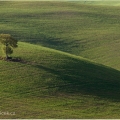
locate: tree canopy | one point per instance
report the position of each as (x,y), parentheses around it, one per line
(8,43)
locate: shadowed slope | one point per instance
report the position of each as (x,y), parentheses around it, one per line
(47,71)
(80,29)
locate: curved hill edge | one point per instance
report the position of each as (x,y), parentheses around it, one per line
(49,72)
(68,54)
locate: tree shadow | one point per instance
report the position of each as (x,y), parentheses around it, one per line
(12,59)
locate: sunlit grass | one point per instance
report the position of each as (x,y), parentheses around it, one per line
(72,27)
(59,82)
(52,84)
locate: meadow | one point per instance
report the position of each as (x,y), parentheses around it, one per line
(70,64)
(90,31)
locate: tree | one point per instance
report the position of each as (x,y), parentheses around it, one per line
(8,44)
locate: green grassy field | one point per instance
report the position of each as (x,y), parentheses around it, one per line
(70,64)
(53,84)
(102,2)
(79,29)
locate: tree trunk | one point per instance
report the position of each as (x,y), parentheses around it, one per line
(6,57)
(6,52)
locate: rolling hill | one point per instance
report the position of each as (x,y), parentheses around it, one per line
(70,60)
(79,29)
(103,2)
(44,73)
(48,68)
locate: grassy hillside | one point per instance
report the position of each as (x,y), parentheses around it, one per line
(56,69)
(48,80)
(102,2)
(70,65)
(80,29)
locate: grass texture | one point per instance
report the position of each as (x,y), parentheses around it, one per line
(87,30)
(70,64)
(49,80)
